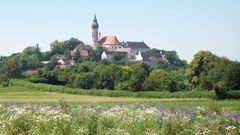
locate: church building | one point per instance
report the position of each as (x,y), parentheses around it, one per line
(109,42)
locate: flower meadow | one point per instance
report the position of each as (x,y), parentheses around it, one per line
(115,120)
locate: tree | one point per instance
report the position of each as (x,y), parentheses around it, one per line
(104,78)
(172,61)
(86,66)
(52,64)
(137,77)
(199,67)
(72,43)
(77,57)
(46,56)
(118,58)
(99,50)
(30,58)
(10,68)
(85,80)
(215,73)
(160,80)
(206,70)
(56,47)
(95,55)
(60,47)
(232,76)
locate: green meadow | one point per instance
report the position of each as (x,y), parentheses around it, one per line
(24,95)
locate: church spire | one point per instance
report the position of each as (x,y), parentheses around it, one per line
(95,18)
(95,30)
(95,23)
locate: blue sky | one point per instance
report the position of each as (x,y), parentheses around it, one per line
(186,26)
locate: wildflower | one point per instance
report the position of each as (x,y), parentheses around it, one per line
(230,127)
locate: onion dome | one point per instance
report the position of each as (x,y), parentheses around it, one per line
(95,23)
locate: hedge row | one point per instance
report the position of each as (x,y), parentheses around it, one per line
(221,94)
(113,93)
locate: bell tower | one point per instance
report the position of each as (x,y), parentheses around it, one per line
(95,27)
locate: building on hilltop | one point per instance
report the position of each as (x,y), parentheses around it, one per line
(109,54)
(64,61)
(130,55)
(109,42)
(135,46)
(83,49)
(150,58)
(134,51)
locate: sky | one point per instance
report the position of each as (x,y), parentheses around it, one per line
(186,26)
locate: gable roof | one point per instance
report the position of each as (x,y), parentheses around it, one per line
(108,40)
(83,53)
(151,56)
(133,45)
(66,61)
(82,47)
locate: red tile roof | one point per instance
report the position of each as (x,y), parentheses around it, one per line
(108,40)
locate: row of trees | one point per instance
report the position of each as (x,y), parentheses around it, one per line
(205,72)
(136,77)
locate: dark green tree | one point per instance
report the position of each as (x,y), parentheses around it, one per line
(77,57)
(119,58)
(30,58)
(232,76)
(138,76)
(85,80)
(60,47)
(52,63)
(160,80)
(86,66)
(10,68)
(206,70)
(104,78)
(95,54)
(199,67)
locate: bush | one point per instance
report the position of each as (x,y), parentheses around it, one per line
(4,84)
(85,81)
(122,86)
(38,80)
(111,93)
(161,80)
(222,93)
(138,76)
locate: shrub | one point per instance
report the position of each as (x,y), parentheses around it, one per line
(85,81)
(224,94)
(122,86)
(38,80)
(138,76)
(111,93)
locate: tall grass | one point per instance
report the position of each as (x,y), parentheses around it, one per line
(113,93)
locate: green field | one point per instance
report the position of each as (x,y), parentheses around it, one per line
(17,94)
